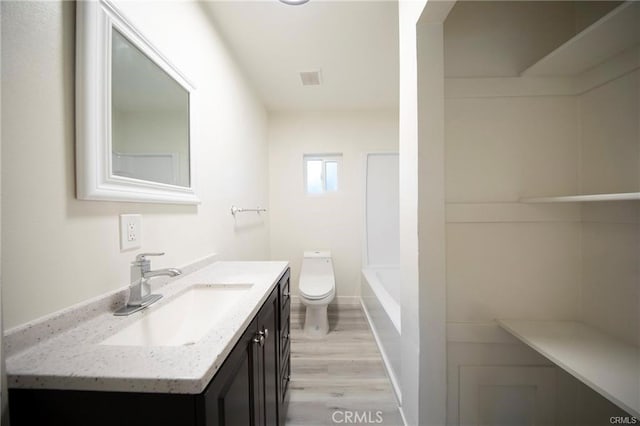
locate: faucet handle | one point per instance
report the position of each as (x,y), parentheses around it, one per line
(142,256)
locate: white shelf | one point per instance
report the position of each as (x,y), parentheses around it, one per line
(612,34)
(606,364)
(624,196)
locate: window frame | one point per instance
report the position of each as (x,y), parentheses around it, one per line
(325,158)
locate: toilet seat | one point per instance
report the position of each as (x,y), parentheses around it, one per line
(316,278)
(314,288)
(315,296)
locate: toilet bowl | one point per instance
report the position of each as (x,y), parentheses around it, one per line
(317,288)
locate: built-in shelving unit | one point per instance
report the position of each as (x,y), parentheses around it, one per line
(582,99)
(612,34)
(623,196)
(609,366)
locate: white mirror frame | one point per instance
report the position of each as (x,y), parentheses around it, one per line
(94,177)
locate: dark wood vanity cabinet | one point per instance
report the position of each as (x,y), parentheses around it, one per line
(250,388)
(244,391)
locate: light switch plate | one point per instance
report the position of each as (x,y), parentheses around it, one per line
(130,231)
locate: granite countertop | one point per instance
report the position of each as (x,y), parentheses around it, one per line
(74,359)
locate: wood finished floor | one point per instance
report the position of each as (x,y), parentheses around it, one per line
(340,374)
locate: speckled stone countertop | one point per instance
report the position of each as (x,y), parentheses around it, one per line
(74,359)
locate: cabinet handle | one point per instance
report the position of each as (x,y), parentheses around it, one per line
(259,339)
(261,336)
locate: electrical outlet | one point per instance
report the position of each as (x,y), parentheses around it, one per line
(130,231)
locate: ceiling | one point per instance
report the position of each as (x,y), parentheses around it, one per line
(353,43)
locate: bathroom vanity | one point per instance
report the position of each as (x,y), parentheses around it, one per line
(237,374)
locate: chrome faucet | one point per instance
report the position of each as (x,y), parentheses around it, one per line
(139,290)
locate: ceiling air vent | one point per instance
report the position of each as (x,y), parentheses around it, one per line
(310,78)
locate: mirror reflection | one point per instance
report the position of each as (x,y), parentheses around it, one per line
(150,119)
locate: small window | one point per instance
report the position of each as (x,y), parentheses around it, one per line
(321,173)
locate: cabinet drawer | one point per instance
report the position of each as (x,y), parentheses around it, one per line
(286,358)
(284,340)
(284,311)
(285,294)
(285,379)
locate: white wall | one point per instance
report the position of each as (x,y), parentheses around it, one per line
(506,260)
(59,251)
(431,214)
(408,13)
(496,149)
(610,162)
(335,221)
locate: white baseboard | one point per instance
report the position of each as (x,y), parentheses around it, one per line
(347,300)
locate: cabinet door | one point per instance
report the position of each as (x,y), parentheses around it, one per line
(268,324)
(231,398)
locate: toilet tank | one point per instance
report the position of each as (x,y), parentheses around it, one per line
(317,263)
(315,254)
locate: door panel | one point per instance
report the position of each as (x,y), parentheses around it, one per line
(230,398)
(509,395)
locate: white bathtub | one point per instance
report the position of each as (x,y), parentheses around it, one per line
(379,296)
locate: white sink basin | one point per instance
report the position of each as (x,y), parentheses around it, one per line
(184,319)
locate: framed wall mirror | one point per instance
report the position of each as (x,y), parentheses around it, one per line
(134,120)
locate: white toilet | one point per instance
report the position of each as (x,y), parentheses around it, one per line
(317,289)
